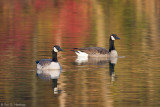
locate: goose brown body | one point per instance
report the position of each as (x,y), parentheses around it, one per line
(98,51)
(93,51)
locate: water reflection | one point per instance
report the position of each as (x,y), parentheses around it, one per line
(100,61)
(91,61)
(50,74)
(29,28)
(95,61)
(112,63)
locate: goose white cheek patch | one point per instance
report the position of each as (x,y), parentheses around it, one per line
(112,38)
(55,50)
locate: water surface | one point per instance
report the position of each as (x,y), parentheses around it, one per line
(30,28)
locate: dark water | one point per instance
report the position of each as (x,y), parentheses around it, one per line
(30,28)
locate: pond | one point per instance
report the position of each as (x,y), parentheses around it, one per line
(30,28)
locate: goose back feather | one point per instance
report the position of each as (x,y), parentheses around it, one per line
(92,51)
(98,51)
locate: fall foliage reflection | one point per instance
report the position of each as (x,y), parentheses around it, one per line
(30,28)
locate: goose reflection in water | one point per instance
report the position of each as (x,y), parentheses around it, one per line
(50,74)
(112,63)
(99,61)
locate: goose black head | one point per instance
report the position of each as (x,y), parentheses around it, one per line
(114,37)
(57,48)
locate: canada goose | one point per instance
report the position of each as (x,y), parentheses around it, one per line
(50,63)
(98,51)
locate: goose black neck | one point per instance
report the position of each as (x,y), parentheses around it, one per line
(111,45)
(54,56)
